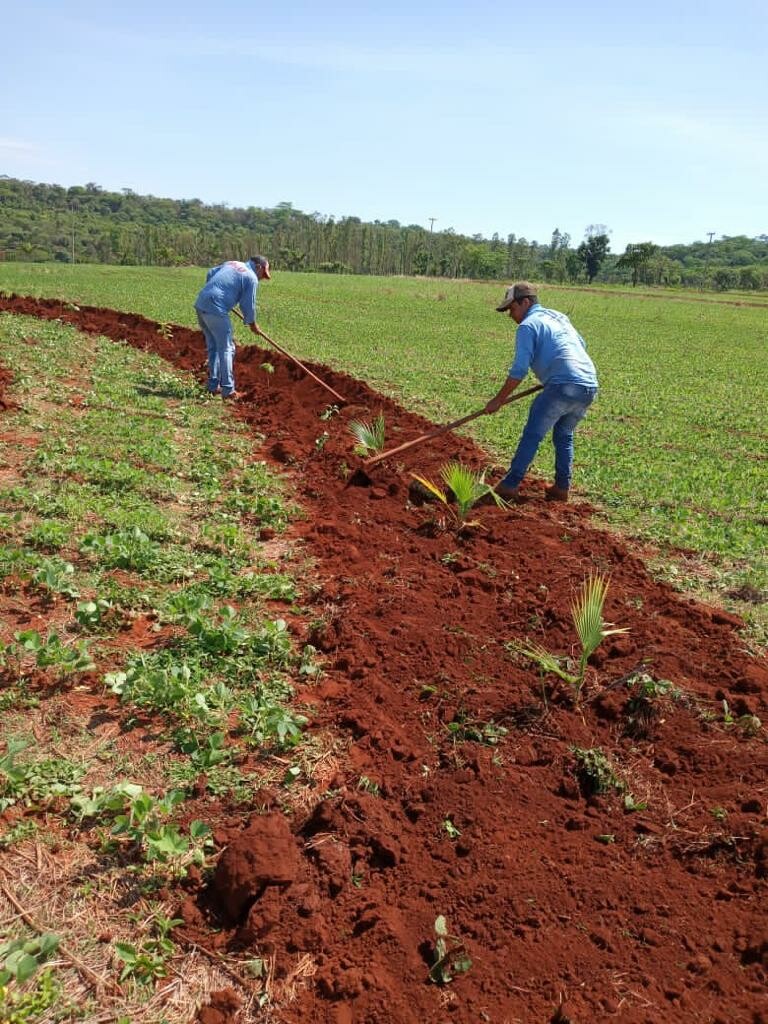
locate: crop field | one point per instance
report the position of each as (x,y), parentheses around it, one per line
(676,449)
(287,740)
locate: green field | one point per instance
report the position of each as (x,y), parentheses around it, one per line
(675,450)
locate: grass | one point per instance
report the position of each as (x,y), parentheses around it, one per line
(674,450)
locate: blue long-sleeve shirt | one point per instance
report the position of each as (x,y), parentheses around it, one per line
(547,343)
(228,285)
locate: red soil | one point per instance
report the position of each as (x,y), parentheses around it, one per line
(571,907)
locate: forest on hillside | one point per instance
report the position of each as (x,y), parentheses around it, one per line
(86,224)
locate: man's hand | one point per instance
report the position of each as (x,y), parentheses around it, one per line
(257,330)
(500,399)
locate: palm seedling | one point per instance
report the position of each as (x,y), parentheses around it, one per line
(369,436)
(467,487)
(587,615)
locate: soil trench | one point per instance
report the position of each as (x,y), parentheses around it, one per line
(644,903)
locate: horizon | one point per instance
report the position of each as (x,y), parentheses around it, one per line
(180,199)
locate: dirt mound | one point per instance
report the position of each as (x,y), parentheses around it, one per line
(640,899)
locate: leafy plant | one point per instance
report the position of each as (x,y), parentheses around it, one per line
(148,961)
(20,958)
(140,818)
(268,723)
(56,577)
(467,487)
(94,614)
(450,956)
(369,436)
(50,652)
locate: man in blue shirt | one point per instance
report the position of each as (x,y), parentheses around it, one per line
(547,343)
(226,286)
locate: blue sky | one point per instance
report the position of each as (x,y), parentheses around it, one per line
(651,119)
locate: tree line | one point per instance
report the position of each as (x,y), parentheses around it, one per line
(86,224)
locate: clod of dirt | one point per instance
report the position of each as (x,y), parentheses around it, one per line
(749,594)
(221,1009)
(263,855)
(359,479)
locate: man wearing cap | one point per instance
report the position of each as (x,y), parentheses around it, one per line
(226,286)
(547,343)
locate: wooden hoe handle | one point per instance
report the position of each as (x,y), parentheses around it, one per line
(284,352)
(444,429)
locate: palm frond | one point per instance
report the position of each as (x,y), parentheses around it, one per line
(587,613)
(548,662)
(370,436)
(467,486)
(432,487)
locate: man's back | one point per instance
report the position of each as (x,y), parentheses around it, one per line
(549,344)
(227,285)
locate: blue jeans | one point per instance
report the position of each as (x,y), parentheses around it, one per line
(559,408)
(220,342)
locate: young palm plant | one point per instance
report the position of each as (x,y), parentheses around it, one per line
(587,614)
(369,436)
(467,487)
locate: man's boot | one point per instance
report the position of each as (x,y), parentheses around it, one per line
(555,493)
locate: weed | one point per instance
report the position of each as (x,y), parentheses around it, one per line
(49,535)
(644,706)
(368,786)
(35,782)
(464,729)
(595,773)
(449,956)
(18,833)
(450,829)
(33,1003)
(329,411)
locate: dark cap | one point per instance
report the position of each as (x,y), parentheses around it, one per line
(521,290)
(263,263)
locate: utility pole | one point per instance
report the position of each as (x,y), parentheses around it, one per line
(431,224)
(72,207)
(711,235)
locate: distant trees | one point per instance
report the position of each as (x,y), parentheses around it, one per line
(637,256)
(39,222)
(593,250)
